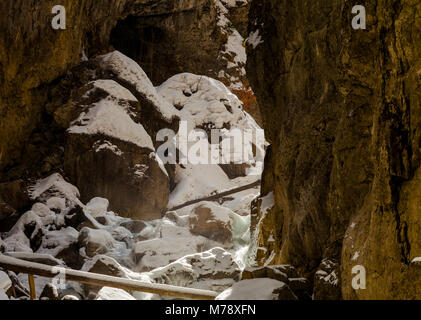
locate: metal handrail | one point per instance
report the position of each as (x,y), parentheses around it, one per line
(95,279)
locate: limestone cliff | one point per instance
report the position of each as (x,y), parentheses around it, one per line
(341,108)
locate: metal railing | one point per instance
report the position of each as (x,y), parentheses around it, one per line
(95,279)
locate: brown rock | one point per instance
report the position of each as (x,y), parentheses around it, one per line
(127,174)
(204,222)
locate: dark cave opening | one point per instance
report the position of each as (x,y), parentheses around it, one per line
(147,44)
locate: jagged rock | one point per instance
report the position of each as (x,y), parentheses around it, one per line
(95,241)
(49,293)
(2,246)
(211,222)
(109,154)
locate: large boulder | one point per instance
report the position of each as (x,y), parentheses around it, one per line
(212,270)
(207,104)
(102,264)
(258,289)
(109,154)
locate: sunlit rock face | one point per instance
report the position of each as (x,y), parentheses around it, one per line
(341,109)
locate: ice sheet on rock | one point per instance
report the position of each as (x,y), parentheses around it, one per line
(129,71)
(110,118)
(254,289)
(97,206)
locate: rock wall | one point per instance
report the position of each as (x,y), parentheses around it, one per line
(175,37)
(341,108)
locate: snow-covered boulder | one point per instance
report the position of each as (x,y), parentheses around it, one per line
(97,207)
(126,70)
(55,189)
(212,270)
(63,244)
(95,241)
(105,265)
(213,222)
(109,154)
(258,289)
(26,234)
(206,103)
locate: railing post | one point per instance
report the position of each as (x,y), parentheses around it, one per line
(31,281)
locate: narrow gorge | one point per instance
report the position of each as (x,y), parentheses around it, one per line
(255,149)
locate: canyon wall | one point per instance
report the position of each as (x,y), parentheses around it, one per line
(341,109)
(34,57)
